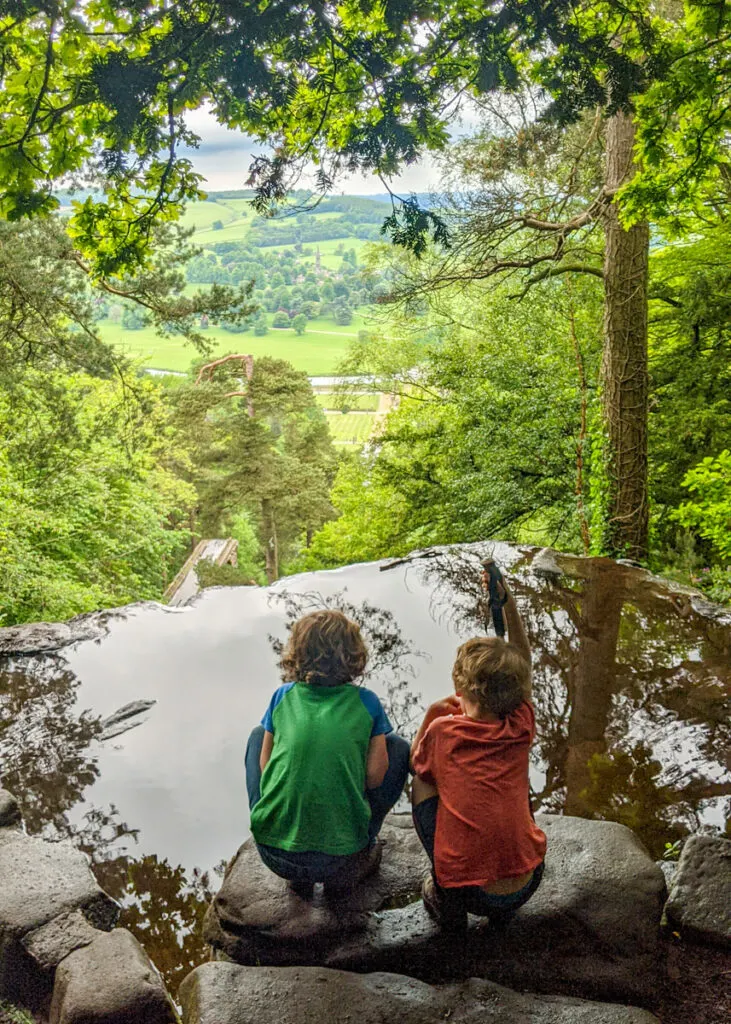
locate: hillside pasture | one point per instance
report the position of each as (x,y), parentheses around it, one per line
(350,427)
(317,353)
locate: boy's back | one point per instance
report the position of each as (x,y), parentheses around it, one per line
(485,831)
(313,787)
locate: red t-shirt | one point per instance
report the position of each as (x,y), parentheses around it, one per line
(485,831)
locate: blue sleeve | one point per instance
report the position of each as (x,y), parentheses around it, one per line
(373,706)
(277,697)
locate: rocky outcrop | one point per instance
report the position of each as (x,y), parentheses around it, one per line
(591,929)
(43,637)
(110,981)
(228,994)
(54,943)
(699,903)
(41,883)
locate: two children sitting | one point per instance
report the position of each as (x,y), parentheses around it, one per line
(325,767)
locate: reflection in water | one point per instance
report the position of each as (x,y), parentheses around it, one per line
(390,656)
(45,740)
(163,906)
(46,758)
(631,692)
(630,686)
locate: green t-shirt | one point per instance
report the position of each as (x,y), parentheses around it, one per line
(313,787)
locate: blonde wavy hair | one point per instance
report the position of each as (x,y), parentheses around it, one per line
(324,648)
(492,674)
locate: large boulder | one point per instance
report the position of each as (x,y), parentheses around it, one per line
(699,904)
(111,981)
(221,993)
(49,904)
(590,930)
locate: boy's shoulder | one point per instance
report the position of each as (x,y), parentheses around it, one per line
(370,699)
(372,703)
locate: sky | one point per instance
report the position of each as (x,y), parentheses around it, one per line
(223,158)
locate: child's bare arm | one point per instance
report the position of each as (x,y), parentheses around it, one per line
(376,762)
(266,749)
(516,630)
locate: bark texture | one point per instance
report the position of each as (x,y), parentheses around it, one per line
(624,362)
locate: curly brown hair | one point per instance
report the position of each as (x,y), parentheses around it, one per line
(493,674)
(324,648)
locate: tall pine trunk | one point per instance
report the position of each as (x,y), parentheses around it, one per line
(270,540)
(624,361)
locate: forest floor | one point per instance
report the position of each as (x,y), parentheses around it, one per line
(698,989)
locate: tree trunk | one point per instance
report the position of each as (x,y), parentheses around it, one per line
(591,683)
(271,544)
(624,361)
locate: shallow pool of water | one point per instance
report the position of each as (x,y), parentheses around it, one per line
(631,686)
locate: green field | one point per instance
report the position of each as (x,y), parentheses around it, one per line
(318,353)
(237,216)
(350,428)
(333,401)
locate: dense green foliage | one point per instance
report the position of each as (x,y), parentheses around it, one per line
(98,504)
(90,516)
(106,478)
(487,440)
(102,87)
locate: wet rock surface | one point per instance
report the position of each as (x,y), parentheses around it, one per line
(699,903)
(45,637)
(111,981)
(228,994)
(39,883)
(9,810)
(49,944)
(128,717)
(591,929)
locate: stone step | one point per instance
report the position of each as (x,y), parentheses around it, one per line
(220,993)
(590,930)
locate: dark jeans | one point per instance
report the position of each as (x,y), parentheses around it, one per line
(474,899)
(310,865)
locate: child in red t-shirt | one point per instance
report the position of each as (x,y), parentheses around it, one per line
(470,793)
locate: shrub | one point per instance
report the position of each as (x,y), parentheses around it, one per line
(709,510)
(342,314)
(133,319)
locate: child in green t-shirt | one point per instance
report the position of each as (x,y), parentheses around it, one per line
(324,767)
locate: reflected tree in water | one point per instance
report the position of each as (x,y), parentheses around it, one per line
(47,760)
(45,741)
(163,906)
(391,658)
(630,686)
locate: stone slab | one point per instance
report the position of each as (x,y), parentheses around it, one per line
(699,903)
(39,882)
(590,930)
(51,943)
(111,981)
(10,814)
(222,993)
